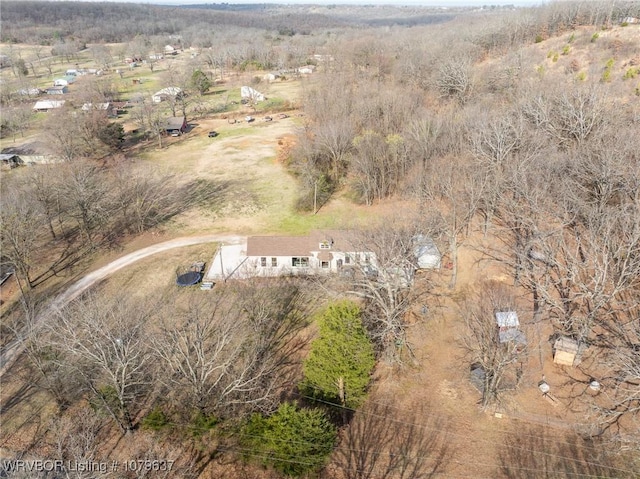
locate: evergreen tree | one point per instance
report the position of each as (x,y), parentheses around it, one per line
(200,82)
(339,364)
(294,441)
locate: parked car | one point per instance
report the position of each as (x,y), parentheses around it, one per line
(282,116)
(268,118)
(213,134)
(249,119)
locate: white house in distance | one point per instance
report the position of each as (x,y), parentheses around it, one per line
(248,93)
(321,252)
(46,105)
(166,93)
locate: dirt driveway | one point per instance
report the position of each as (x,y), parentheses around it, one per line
(13,350)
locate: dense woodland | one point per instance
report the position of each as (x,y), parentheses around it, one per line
(537,166)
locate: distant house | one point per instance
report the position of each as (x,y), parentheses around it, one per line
(170,50)
(72,72)
(46,105)
(306,70)
(156,56)
(166,93)
(175,125)
(271,76)
(95,106)
(67,80)
(112,110)
(248,93)
(630,20)
(32,91)
(9,161)
(57,90)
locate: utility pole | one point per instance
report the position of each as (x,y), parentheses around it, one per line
(315,197)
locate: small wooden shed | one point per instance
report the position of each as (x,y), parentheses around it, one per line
(565,351)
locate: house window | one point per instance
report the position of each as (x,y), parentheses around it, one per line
(274,262)
(347,259)
(324,264)
(263,262)
(367,259)
(325,245)
(357,257)
(300,262)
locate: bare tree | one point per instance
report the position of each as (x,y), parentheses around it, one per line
(384,281)
(76,442)
(234,350)
(20,223)
(455,79)
(106,342)
(567,116)
(498,359)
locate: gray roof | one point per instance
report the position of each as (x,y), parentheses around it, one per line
(174,122)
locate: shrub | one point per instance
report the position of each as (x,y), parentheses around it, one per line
(606,74)
(631,73)
(566,49)
(155,420)
(555,57)
(293,441)
(582,76)
(571,38)
(594,37)
(539,38)
(201,423)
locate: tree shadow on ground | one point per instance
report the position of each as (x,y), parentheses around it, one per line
(536,451)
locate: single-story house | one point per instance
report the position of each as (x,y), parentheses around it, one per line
(96,106)
(175,125)
(306,70)
(72,72)
(272,76)
(57,90)
(46,105)
(321,252)
(9,160)
(248,93)
(170,50)
(31,91)
(166,93)
(67,80)
(156,56)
